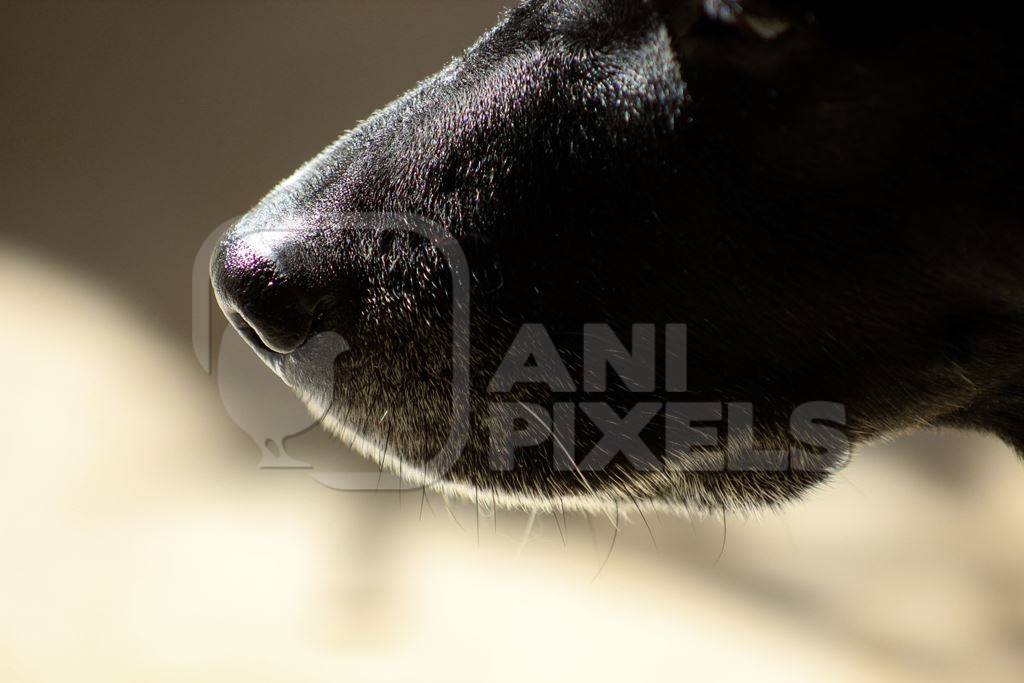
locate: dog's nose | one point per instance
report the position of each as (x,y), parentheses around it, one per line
(266,289)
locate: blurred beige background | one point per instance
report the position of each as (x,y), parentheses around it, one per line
(139,540)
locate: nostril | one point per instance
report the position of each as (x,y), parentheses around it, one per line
(246,331)
(278,316)
(266,292)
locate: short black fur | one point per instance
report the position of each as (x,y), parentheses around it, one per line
(834,211)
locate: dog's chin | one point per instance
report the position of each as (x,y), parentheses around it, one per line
(613,493)
(408,455)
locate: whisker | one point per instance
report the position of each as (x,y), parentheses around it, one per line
(725,536)
(644,517)
(615,536)
(559,525)
(526,533)
(452,514)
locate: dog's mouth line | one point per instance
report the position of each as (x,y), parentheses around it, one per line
(392,459)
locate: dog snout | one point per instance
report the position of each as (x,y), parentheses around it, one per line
(267,288)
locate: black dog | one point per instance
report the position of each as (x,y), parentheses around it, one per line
(826,194)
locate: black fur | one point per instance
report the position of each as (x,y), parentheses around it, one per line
(833,211)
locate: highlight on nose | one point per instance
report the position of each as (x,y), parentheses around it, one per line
(265,290)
